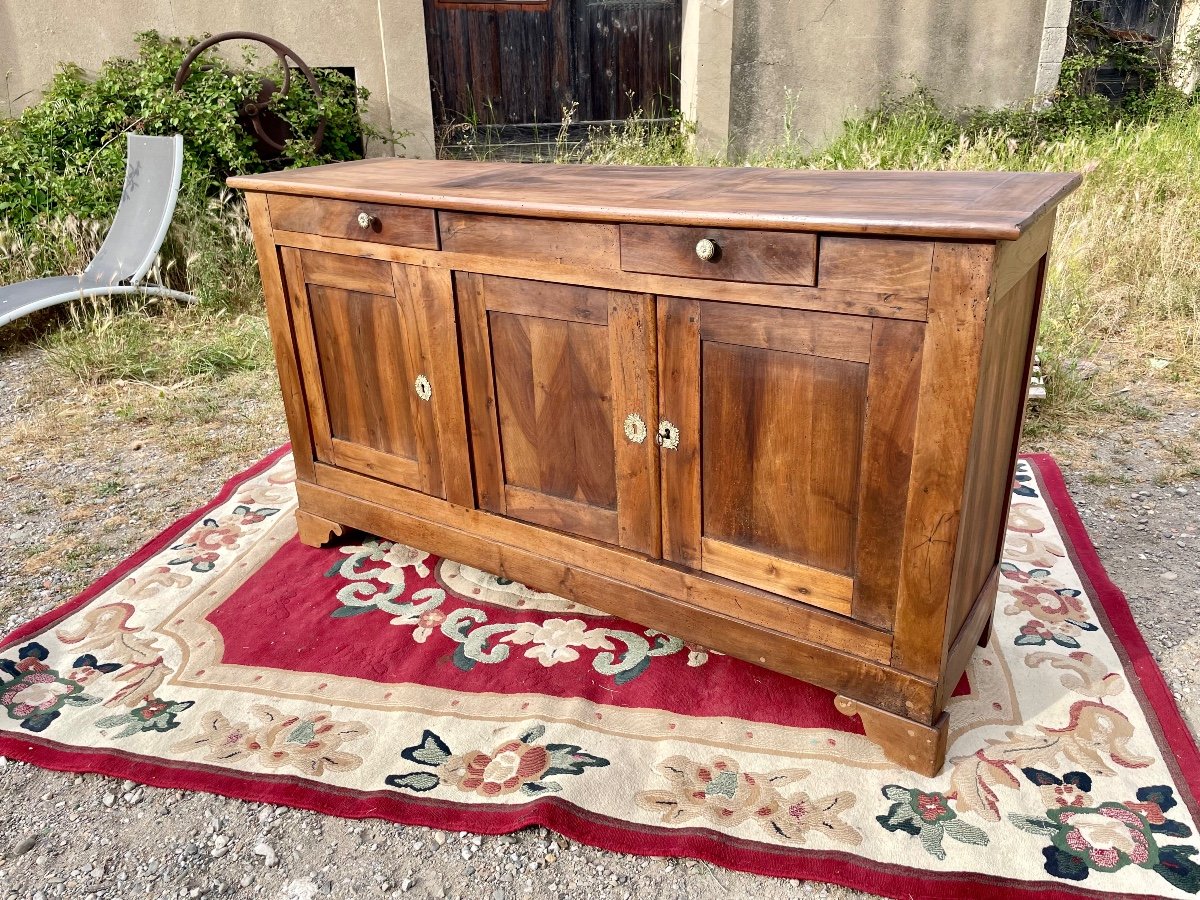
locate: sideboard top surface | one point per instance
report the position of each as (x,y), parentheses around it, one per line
(983,205)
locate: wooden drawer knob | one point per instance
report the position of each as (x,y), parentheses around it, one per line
(366,221)
(707,249)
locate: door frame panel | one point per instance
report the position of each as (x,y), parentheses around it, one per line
(631,333)
(891,351)
(425,307)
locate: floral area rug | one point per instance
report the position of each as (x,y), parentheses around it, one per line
(373,679)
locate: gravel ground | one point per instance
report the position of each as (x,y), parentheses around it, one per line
(89,473)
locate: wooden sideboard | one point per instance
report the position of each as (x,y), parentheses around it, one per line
(775,413)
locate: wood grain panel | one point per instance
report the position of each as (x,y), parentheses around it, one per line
(281,326)
(561,389)
(815,334)
(975,625)
(893,383)
(573,405)
(782,437)
(859,303)
(430,294)
(351,273)
(562,515)
(553,393)
(807,584)
(772,257)
(516,407)
(413,363)
(694,587)
(679,404)
(945,414)
(870,264)
(368,461)
(407,226)
(1008,345)
(482,421)
(942,205)
(591,245)
(364,379)
(1014,259)
(306,350)
(567,302)
(361,353)
(633,349)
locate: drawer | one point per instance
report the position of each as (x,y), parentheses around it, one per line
(406,226)
(879,265)
(589,245)
(724,254)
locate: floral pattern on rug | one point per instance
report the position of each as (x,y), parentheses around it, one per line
(374,576)
(136,666)
(521,764)
(719,792)
(929,817)
(1069,787)
(1106,838)
(310,744)
(35,694)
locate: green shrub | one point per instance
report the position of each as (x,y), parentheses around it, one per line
(65,155)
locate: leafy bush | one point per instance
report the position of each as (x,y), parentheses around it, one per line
(65,155)
(62,164)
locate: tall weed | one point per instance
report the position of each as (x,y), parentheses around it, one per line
(1124,282)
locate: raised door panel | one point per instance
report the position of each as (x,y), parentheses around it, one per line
(352,332)
(779,429)
(560,388)
(375,342)
(780,442)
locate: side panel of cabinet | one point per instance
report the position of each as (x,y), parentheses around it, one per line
(785,430)
(376,347)
(279,318)
(561,402)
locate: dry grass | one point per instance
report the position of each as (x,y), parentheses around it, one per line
(208,252)
(1123,292)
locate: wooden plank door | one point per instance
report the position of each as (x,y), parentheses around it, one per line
(376,343)
(787,442)
(522,63)
(561,401)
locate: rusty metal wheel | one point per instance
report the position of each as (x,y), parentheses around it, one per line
(270,130)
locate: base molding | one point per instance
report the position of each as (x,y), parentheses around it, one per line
(316,531)
(480,539)
(921,748)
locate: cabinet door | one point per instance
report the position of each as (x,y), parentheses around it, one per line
(787,441)
(376,343)
(561,400)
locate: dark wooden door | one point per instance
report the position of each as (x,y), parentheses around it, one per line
(522,63)
(376,343)
(769,419)
(561,403)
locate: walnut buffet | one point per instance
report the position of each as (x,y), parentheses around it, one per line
(774,413)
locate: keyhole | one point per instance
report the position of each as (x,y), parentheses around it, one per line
(667,435)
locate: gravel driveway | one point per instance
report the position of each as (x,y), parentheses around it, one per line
(89,473)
